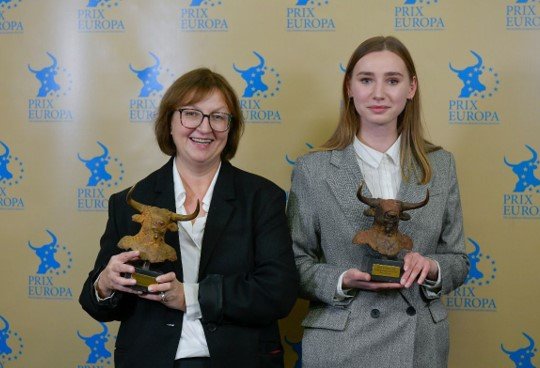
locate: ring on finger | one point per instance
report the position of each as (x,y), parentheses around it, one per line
(163,297)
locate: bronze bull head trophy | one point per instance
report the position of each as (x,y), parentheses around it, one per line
(150,240)
(383,238)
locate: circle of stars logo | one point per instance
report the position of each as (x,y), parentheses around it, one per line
(276,83)
(493,78)
(317,3)
(117,172)
(66,80)
(17,346)
(209,3)
(476,258)
(104,3)
(9,4)
(168,78)
(69,261)
(15,164)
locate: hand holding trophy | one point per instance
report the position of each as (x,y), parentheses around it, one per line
(383,238)
(150,240)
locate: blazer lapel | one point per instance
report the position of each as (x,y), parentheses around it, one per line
(344,182)
(221,210)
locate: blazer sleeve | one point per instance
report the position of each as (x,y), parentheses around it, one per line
(450,253)
(268,291)
(118,306)
(318,279)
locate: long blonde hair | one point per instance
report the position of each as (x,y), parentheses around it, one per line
(414,147)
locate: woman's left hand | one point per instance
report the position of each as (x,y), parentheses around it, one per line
(418,268)
(168,291)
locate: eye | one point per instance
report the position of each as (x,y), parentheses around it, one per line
(393,81)
(191,113)
(219,117)
(365,80)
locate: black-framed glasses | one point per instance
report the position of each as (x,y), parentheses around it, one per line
(192,118)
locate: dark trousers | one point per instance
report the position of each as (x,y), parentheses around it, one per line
(192,363)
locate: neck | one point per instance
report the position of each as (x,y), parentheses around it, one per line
(380,138)
(197,179)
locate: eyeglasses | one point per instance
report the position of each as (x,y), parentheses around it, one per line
(191,119)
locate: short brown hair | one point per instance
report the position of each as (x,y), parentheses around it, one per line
(190,88)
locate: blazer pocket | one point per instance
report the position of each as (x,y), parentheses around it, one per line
(327,317)
(438,311)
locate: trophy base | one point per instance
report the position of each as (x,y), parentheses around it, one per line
(144,278)
(385,270)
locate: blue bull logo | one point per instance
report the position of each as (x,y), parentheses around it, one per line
(470,76)
(297,348)
(97,167)
(148,77)
(522,356)
(46,76)
(474,259)
(46,255)
(196,2)
(4,162)
(4,336)
(96,344)
(302,2)
(253,77)
(94,3)
(524,171)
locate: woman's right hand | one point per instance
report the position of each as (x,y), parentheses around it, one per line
(111,279)
(356,279)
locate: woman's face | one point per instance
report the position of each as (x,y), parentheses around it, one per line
(200,146)
(380,86)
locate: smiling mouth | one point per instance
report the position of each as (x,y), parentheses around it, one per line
(201,140)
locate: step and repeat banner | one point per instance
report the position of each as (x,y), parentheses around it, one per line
(80,81)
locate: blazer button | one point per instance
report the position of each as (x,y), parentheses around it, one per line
(411,311)
(375,313)
(212,327)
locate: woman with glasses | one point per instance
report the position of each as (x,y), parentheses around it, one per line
(353,320)
(218,304)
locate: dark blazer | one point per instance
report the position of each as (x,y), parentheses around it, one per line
(247,275)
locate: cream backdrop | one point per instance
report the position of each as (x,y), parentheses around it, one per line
(69,94)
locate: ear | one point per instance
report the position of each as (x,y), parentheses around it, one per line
(412,88)
(404,216)
(370,212)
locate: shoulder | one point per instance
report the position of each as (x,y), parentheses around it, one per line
(443,167)
(148,183)
(314,160)
(250,182)
(441,159)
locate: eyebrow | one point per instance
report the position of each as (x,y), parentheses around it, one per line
(388,74)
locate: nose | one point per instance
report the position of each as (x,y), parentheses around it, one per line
(205,125)
(378,91)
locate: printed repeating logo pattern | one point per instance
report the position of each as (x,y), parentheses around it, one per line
(11,344)
(98,169)
(96,343)
(522,357)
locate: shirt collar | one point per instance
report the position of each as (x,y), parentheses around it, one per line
(180,191)
(373,157)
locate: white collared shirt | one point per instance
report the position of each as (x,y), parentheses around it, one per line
(381,170)
(192,341)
